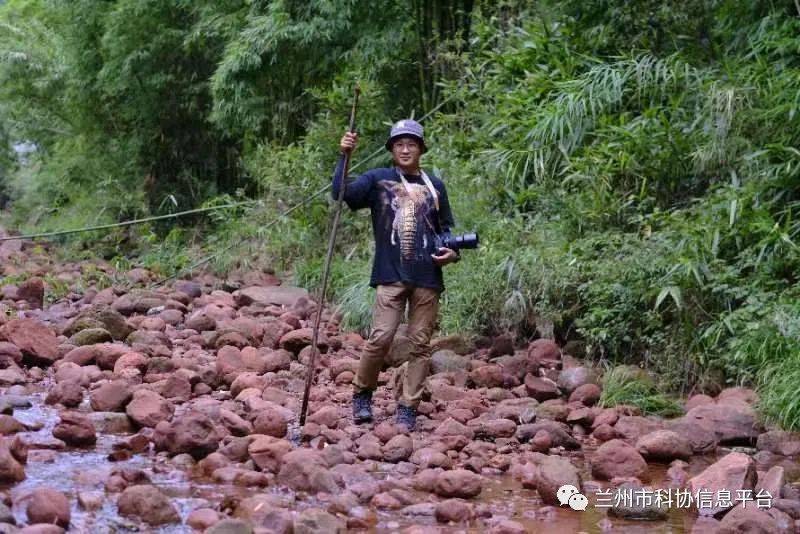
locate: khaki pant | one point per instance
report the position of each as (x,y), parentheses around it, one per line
(390,305)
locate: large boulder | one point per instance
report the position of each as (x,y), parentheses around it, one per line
(617,458)
(13,454)
(37,342)
(664,446)
(148,408)
(192,433)
(149,504)
(76,429)
(46,505)
(734,422)
(734,472)
(552,473)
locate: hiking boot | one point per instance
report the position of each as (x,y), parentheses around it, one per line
(406,416)
(362,406)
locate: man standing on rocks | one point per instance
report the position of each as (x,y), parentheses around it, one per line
(409,209)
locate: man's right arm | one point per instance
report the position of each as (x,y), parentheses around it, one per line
(356,192)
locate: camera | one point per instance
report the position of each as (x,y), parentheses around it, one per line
(456,242)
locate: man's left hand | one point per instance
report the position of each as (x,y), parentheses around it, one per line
(445,256)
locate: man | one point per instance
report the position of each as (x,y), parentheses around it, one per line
(408,209)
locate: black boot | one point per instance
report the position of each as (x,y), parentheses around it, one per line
(362,406)
(406,416)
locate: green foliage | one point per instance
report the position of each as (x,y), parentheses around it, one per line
(632,386)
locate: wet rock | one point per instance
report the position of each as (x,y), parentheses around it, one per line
(46,505)
(700,436)
(230,526)
(664,446)
(454,510)
(267,452)
(750,520)
(637,509)
(13,454)
(202,518)
(148,408)
(616,458)
(632,427)
(12,375)
(39,528)
(733,472)
(458,483)
(772,481)
(779,442)
(314,521)
(75,429)
(306,470)
(111,422)
(559,433)
(507,526)
(147,503)
(541,389)
(38,344)
(552,473)
(111,396)
(734,422)
(67,393)
(193,433)
(263,512)
(9,425)
(235,424)
(398,449)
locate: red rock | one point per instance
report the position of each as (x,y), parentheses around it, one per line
(398,449)
(552,473)
(544,349)
(32,292)
(148,408)
(733,472)
(779,442)
(541,389)
(67,393)
(10,353)
(148,504)
(587,394)
(46,505)
(271,422)
(75,429)
(734,422)
(12,455)
(267,452)
(192,433)
(454,510)
(697,400)
(571,379)
(296,340)
(751,520)
(507,526)
(128,360)
(38,344)
(111,396)
(664,446)
(559,433)
(202,518)
(306,470)
(487,376)
(458,483)
(632,427)
(616,458)
(327,416)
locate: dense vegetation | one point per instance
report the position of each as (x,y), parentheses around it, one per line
(633,167)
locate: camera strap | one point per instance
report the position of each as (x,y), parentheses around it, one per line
(427,182)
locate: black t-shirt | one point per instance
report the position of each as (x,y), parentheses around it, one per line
(404,223)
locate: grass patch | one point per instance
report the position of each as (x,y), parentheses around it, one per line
(629,385)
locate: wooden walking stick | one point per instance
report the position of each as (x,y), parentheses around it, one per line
(337,212)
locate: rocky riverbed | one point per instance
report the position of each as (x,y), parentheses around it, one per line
(128,409)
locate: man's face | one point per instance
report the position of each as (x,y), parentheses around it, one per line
(406,152)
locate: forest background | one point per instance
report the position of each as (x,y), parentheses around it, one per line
(632,167)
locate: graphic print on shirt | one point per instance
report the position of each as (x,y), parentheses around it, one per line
(411,226)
